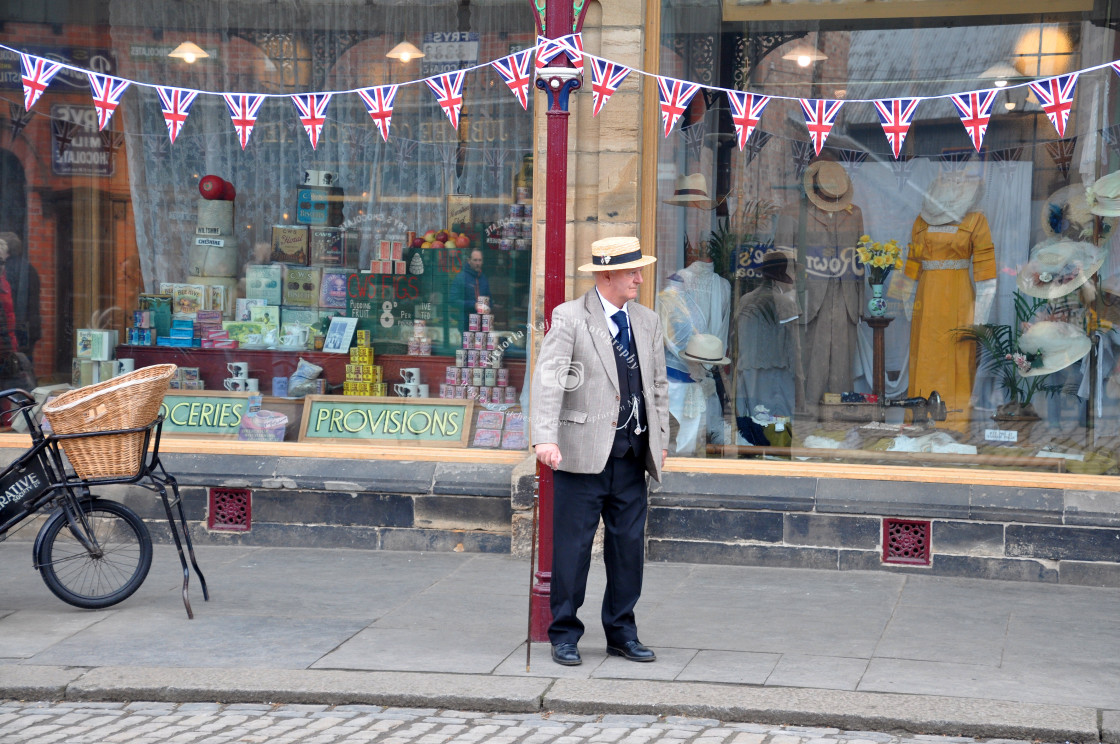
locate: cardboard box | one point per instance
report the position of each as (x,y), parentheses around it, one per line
(328,246)
(188,299)
(306,316)
(332,288)
(265,282)
(243,305)
(301,287)
(289,244)
(267,316)
(311,205)
(94,344)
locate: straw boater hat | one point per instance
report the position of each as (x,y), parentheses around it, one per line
(1104,195)
(1061,344)
(950,197)
(706,349)
(614,254)
(692,191)
(1058,267)
(1066,214)
(827,185)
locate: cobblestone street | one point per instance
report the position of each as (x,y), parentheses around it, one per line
(206,723)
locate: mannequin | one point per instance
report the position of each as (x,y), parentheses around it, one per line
(768,370)
(682,319)
(948,239)
(823,229)
(709,290)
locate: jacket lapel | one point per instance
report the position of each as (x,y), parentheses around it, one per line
(642,333)
(601,335)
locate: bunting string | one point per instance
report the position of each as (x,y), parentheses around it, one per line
(1055,95)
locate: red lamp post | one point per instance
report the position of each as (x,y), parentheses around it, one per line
(558,81)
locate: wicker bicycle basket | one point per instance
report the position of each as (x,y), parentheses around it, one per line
(126,402)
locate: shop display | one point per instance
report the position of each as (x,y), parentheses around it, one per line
(212,261)
(822,231)
(950,246)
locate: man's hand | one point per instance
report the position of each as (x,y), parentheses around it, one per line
(548,454)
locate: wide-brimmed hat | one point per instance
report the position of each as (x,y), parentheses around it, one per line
(950,197)
(1060,344)
(827,185)
(776,265)
(692,191)
(615,254)
(704,348)
(1058,267)
(1065,214)
(1104,195)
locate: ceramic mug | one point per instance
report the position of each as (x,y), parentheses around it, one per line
(422,390)
(411,375)
(408,390)
(238,369)
(251,384)
(236,384)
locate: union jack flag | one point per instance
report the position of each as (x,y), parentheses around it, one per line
(243,111)
(176,104)
(1056,96)
(312,109)
(37,74)
(448,88)
(570,45)
(820,116)
(675,96)
(746,110)
(975,109)
(895,114)
(379,104)
(802,154)
(514,70)
(107,92)
(1061,152)
(605,79)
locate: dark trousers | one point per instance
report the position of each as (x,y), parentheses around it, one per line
(618,494)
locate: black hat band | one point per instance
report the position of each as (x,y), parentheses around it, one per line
(620,259)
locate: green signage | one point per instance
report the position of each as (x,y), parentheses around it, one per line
(428,421)
(203,413)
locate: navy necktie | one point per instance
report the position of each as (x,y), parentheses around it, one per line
(623,336)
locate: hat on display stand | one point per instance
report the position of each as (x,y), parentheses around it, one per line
(1067,214)
(1059,344)
(776,265)
(1058,267)
(692,191)
(950,197)
(1104,195)
(706,349)
(827,185)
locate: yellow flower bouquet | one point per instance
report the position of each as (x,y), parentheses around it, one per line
(879,258)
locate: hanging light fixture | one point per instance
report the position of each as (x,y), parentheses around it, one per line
(804,55)
(404,52)
(188,51)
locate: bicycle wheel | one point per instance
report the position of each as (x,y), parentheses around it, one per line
(83,579)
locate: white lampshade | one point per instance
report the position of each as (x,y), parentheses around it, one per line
(805,55)
(404,52)
(188,51)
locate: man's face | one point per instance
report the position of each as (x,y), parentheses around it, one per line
(623,285)
(476,260)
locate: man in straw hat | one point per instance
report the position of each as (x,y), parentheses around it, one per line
(599,418)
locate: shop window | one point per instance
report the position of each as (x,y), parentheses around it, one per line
(908,281)
(250,233)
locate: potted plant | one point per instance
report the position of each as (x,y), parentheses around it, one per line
(879,259)
(1018,367)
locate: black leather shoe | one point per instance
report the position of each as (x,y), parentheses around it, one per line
(566,654)
(632,650)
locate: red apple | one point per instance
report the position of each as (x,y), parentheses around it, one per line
(441,236)
(437,243)
(228,192)
(429,236)
(462,241)
(211,187)
(417,242)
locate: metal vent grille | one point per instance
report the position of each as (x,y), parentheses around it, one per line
(231,509)
(906,541)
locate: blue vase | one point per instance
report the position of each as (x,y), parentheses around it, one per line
(876,306)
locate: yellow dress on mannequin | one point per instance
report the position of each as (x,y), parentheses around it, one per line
(939,260)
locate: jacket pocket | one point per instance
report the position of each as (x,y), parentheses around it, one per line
(570,414)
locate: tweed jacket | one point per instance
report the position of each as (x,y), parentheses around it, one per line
(575,390)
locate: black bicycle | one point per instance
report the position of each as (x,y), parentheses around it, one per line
(91,552)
